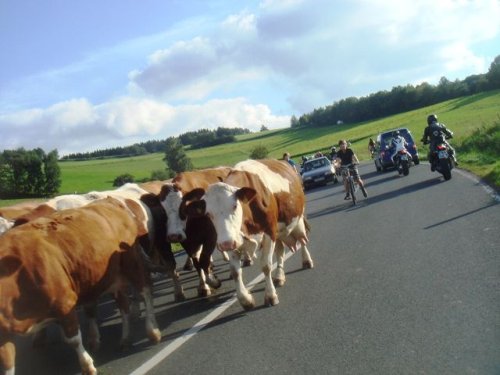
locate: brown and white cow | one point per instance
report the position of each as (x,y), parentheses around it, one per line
(52,264)
(260,204)
(196,235)
(155,244)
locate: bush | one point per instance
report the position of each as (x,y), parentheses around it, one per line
(259,152)
(160,174)
(123,179)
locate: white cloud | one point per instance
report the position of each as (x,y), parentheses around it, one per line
(79,126)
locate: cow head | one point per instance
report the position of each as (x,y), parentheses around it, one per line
(222,203)
(174,203)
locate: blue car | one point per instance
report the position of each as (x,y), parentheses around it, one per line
(383,149)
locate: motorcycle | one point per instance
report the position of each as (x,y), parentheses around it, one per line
(402,162)
(441,159)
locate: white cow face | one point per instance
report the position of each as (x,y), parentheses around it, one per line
(223,205)
(176,225)
(5,225)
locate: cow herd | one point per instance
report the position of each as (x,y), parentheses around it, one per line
(65,253)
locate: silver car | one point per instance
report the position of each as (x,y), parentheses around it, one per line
(318,171)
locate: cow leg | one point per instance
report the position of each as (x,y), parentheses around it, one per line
(244,297)
(188,265)
(206,262)
(266,262)
(122,301)
(73,337)
(152,329)
(94,337)
(307,261)
(7,357)
(279,275)
(170,265)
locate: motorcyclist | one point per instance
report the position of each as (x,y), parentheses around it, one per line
(437,132)
(398,143)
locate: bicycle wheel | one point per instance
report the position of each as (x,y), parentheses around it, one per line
(352,190)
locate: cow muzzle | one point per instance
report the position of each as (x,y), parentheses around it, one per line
(227,245)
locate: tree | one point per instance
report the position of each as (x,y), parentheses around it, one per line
(264,128)
(493,74)
(175,156)
(52,173)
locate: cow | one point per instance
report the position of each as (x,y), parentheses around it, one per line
(154,220)
(196,235)
(260,205)
(54,263)
(154,187)
(13,212)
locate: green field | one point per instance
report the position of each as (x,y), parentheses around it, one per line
(463,116)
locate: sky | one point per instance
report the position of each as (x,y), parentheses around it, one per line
(84,75)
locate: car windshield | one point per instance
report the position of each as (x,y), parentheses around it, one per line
(314,164)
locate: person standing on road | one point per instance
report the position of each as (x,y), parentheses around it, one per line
(371,147)
(286,156)
(348,157)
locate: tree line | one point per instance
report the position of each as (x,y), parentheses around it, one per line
(29,173)
(196,139)
(399,99)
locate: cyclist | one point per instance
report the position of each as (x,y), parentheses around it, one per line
(348,157)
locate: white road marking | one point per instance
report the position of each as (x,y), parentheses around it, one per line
(177,343)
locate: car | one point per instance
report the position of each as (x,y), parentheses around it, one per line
(383,149)
(318,171)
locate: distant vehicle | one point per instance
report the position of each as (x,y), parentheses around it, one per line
(318,171)
(383,152)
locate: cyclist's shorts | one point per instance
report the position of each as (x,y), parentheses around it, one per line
(355,173)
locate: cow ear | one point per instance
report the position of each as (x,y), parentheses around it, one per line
(246,194)
(9,265)
(165,189)
(194,195)
(196,209)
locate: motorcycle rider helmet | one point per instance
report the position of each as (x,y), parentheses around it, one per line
(431,118)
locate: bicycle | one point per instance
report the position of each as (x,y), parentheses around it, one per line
(346,174)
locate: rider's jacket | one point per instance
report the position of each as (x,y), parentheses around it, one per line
(436,132)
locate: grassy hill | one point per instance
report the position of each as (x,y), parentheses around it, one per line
(464,116)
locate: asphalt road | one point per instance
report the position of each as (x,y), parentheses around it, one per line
(406,282)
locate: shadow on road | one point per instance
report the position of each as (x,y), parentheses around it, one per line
(461,216)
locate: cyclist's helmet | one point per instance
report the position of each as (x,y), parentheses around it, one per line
(431,118)
(395,134)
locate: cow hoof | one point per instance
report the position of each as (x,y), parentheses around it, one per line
(88,369)
(179,297)
(248,304)
(214,282)
(271,300)
(204,292)
(154,336)
(246,262)
(278,282)
(307,265)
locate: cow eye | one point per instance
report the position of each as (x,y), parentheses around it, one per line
(234,207)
